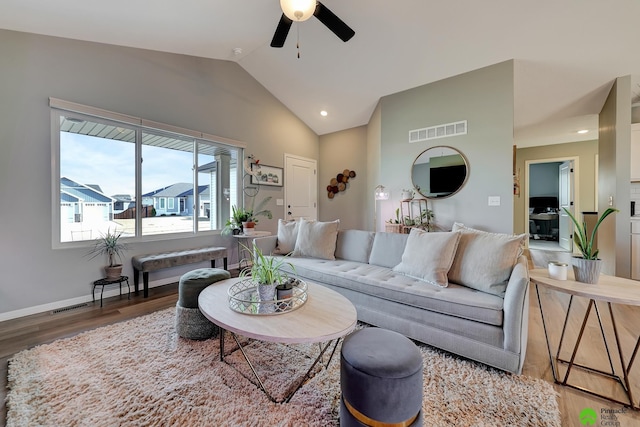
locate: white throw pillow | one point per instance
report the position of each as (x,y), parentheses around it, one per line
(428,256)
(316,239)
(484,260)
(287,235)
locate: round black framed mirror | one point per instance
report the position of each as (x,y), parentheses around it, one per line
(439,172)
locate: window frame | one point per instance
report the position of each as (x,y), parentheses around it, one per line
(60,108)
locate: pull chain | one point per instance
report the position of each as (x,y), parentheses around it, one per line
(298,39)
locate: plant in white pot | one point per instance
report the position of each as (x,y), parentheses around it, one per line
(109,243)
(266,273)
(587,268)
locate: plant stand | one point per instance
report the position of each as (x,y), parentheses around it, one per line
(106,282)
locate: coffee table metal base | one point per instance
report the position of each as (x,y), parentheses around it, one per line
(260,384)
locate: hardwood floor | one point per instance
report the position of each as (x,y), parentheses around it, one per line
(20,334)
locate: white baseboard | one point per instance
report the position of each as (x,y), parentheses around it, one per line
(111,291)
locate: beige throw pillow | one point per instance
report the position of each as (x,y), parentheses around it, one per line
(484,260)
(316,239)
(287,235)
(428,256)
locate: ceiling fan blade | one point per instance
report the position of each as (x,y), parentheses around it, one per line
(282,31)
(332,22)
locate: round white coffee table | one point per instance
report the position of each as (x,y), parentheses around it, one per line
(326,317)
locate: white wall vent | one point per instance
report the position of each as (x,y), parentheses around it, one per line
(439,131)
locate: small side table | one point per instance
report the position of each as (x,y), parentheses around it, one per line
(105,282)
(243,244)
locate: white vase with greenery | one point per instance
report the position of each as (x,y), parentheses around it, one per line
(266,273)
(588,267)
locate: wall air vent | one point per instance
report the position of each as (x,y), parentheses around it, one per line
(71,307)
(439,131)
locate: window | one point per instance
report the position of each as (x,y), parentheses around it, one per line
(186,182)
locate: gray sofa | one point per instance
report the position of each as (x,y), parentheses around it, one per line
(485,327)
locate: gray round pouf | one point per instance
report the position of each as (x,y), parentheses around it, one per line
(380,379)
(190,322)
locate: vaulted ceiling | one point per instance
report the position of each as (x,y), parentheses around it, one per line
(567,53)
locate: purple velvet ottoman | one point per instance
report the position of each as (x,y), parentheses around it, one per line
(380,379)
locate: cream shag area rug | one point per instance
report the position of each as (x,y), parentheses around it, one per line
(139,373)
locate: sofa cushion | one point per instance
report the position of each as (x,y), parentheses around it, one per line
(287,235)
(384,283)
(354,245)
(387,249)
(484,260)
(316,239)
(428,256)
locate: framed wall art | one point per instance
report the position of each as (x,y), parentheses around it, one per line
(266,175)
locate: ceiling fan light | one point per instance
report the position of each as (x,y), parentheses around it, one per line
(298,10)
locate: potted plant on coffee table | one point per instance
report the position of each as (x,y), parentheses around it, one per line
(109,243)
(266,273)
(587,268)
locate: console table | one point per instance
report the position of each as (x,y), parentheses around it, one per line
(244,247)
(609,290)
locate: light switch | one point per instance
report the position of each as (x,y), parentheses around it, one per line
(279,202)
(494,200)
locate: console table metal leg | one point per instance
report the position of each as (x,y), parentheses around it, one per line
(626,385)
(546,336)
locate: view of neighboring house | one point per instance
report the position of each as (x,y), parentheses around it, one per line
(177,199)
(83,203)
(122,203)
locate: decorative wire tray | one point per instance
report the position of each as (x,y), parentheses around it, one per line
(244,298)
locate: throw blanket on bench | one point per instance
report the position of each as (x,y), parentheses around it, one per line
(152,262)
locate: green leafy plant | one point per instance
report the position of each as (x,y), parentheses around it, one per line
(397,220)
(585,243)
(266,270)
(109,243)
(240,215)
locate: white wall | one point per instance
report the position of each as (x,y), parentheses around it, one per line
(216,97)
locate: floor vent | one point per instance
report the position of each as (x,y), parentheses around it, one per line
(439,131)
(71,307)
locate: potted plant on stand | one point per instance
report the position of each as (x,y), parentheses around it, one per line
(265,272)
(587,268)
(243,220)
(109,243)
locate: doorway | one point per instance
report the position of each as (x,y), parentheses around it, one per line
(551,185)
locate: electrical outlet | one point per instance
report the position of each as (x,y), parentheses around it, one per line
(494,200)
(279,202)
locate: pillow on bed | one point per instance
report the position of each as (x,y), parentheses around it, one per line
(428,256)
(316,239)
(484,260)
(287,235)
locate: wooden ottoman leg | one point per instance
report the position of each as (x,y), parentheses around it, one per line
(136,280)
(145,279)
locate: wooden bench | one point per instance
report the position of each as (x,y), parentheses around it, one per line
(152,262)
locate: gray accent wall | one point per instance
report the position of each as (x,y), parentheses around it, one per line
(339,151)
(484,98)
(211,96)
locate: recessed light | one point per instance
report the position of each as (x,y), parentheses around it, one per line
(323,113)
(583,131)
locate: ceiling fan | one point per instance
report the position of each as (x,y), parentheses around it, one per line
(301,10)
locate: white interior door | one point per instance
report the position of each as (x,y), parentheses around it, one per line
(565,200)
(300,187)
